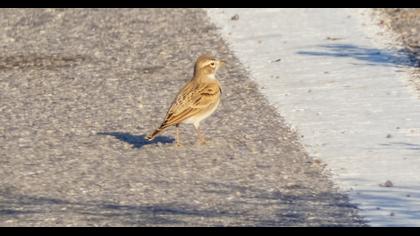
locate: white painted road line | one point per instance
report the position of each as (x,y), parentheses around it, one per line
(328,75)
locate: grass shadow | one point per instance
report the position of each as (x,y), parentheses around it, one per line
(26,208)
(371,56)
(408,146)
(291,209)
(138,141)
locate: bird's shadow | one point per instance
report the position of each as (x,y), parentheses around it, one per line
(138,141)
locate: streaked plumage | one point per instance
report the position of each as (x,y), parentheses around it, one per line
(197,100)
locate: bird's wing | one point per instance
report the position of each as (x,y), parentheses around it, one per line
(191,101)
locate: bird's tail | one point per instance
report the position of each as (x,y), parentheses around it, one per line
(157,131)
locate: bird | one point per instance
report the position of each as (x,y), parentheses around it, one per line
(196,101)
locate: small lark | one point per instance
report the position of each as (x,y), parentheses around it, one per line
(196,101)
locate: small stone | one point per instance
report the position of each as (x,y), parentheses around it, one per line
(388,136)
(235,17)
(332,38)
(291,185)
(387,184)
(408,195)
(392,214)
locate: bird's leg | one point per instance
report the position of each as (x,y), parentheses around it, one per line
(177,140)
(200,136)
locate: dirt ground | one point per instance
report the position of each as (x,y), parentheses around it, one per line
(405,22)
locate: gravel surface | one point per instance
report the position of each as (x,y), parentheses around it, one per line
(405,22)
(79,89)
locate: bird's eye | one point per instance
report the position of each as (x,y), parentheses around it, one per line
(212,64)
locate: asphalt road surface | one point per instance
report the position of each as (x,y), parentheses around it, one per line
(79,89)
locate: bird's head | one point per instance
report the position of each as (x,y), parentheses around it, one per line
(207,65)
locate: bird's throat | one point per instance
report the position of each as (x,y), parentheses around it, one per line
(211,76)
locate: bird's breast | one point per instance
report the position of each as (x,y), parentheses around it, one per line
(203,114)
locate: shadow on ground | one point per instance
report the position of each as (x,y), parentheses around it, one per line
(374,57)
(379,202)
(37,208)
(408,146)
(138,141)
(286,209)
(402,202)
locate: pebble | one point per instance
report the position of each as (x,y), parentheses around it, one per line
(235,17)
(387,184)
